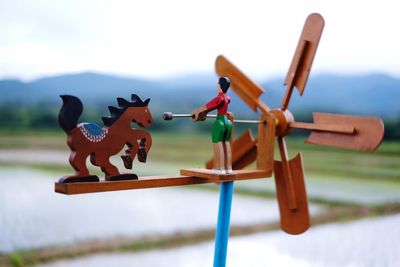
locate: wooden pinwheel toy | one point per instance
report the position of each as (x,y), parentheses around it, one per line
(339,131)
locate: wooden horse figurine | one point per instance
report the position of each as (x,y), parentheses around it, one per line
(86,139)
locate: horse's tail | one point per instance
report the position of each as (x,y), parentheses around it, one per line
(70,112)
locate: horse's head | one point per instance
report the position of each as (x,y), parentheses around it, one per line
(141,115)
(137,110)
(134,111)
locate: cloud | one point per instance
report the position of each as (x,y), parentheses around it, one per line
(159,38)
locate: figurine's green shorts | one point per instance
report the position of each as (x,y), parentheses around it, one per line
(221,130)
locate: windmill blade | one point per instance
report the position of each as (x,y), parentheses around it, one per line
(287,173)
(244,151)
(293,221)
(300,67)
(367,135)
(322,127)
(291,191)
(243,86)
(245,160)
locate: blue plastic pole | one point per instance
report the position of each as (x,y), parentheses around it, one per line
(223,224)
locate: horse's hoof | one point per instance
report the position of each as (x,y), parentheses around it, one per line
(127,160)
(123,177)
(81,179)
(142,155)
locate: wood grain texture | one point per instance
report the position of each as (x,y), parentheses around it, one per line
(287,174)
(367,136)
(300,67)
(265,142)
(235,176)
(291,76)
(323,127)
(306,49)
(243,145)
(246,159)
(218,156)
(282,120)
(243,86)
(158,181)
(141,183)
(228,145)
(293,221)
(90,140)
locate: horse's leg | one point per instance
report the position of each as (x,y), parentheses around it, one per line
(145,142)
(133,149)
(130,154)
(103,161)
(144,137)
(78,162)
(112,173)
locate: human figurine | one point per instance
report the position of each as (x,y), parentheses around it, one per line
(222,128)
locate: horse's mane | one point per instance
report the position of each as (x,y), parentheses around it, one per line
(123,105)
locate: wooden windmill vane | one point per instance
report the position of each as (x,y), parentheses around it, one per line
(340,131)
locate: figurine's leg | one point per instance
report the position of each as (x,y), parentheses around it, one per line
(222,161)
(217,138)
(218,156)
(228,157)
(227,146)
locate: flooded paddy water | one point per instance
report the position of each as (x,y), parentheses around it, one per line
(367,242)
(32,215)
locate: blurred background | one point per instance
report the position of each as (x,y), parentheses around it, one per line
(165,50)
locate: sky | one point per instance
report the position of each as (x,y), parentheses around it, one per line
(158,39)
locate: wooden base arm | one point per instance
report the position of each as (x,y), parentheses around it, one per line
(195,177)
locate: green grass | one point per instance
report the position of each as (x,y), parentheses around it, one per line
(16,259)
(185,149)
(33,140)
(382,164)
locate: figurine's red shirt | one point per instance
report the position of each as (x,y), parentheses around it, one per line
(220,102)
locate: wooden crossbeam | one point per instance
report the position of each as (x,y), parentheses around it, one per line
(158,181)
(235,176)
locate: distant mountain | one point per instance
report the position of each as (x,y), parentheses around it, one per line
(89,86)
(374,94)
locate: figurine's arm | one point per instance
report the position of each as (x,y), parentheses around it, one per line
(200,114)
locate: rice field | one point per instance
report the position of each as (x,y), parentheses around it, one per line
(34,219)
